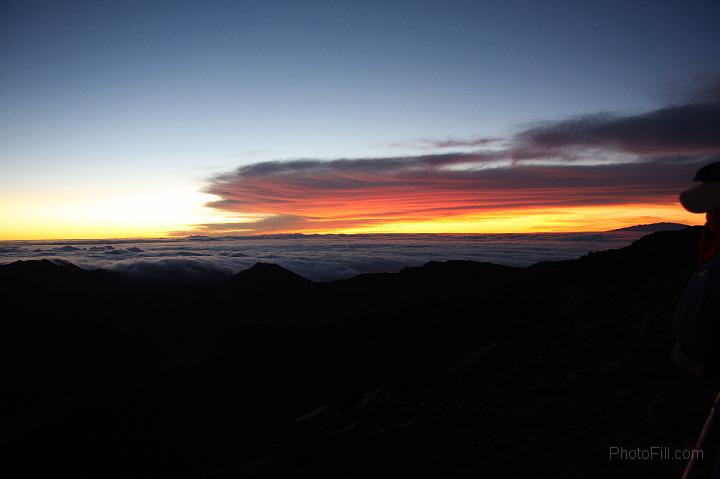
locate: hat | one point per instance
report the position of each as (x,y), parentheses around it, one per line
(705,196)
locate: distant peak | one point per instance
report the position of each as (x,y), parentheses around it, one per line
(200,238)
(653,227)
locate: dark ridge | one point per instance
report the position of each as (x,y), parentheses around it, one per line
(266,275)
(42,272)
(42,266)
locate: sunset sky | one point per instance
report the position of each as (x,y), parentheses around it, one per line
(150,118)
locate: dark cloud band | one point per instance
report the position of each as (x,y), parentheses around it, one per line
(587,161)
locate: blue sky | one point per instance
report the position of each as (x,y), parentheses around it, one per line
(122,98)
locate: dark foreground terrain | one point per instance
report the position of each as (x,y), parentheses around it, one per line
(455,369)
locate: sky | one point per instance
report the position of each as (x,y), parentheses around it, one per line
(148,119)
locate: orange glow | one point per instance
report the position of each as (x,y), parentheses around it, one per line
(525,220)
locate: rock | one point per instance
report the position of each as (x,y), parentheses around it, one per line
(474,369)
(382,408)
(608,367)
(322,420)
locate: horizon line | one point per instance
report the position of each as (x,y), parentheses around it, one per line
(267,235)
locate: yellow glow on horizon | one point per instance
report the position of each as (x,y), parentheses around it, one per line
(147,215)
(572,219)
(142,215)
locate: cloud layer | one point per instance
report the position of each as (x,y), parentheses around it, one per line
(596,160)
(207,261)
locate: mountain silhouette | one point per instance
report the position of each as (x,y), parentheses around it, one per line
(450,369)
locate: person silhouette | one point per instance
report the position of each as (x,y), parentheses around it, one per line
(698,311)
(697,315)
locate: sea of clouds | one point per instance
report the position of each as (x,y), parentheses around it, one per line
(317,257)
